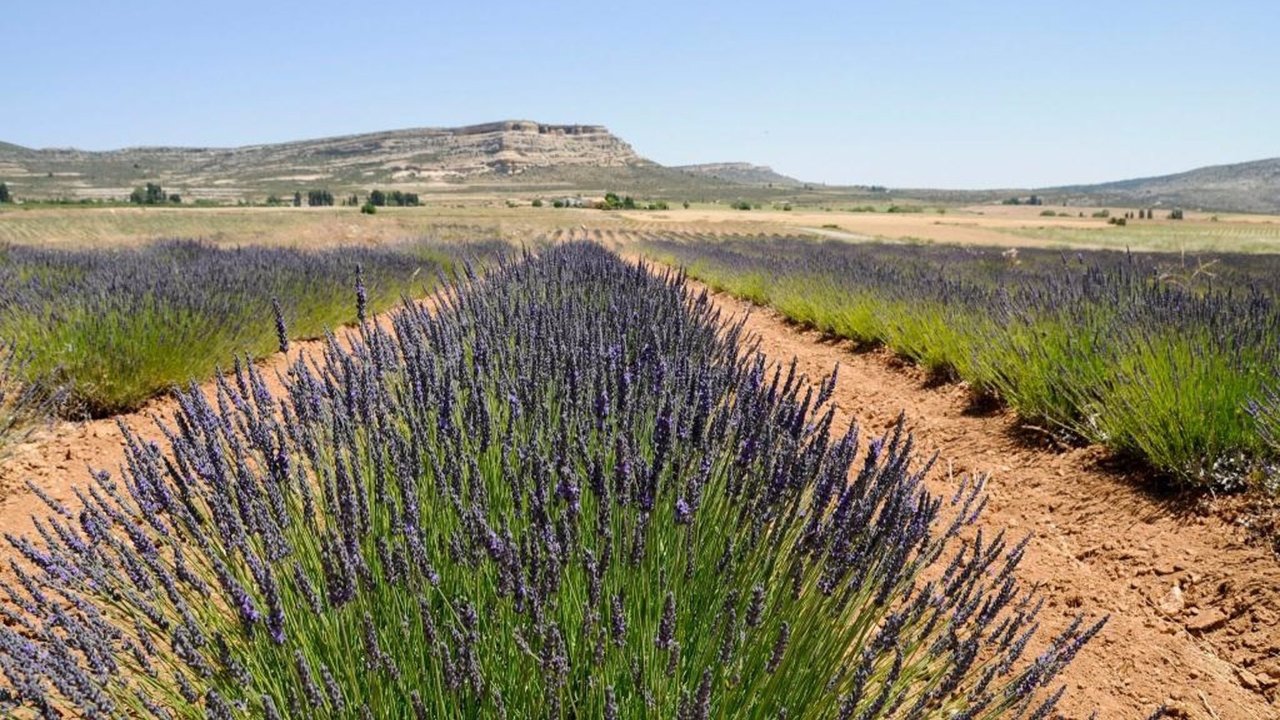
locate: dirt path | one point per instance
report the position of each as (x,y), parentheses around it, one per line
(1101,544)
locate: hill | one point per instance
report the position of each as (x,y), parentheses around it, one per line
(418,158)
(1240,187)
(740,173)
(537,158)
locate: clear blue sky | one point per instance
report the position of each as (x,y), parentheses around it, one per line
(943,94)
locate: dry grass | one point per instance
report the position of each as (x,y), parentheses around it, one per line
(473,215)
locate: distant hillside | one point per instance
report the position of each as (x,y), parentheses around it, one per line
(531,157)
(740,173)
(1241,187)
(417,158)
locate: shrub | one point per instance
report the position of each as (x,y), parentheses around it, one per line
(537,202)
(1108,348)
(118,327)
(150,194)
(369,208)
(1104,213)
(24,406)
(525,506)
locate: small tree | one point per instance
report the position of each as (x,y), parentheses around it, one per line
(175,198)
(5,197)
(537,202)
(368,208)
(297,198)
(150,194)
(1176,214)
(377,198)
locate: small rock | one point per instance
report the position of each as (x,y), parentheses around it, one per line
(1206,621)
(1249,680)
(1172,603)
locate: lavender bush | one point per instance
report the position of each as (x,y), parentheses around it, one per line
(24,406)
(1155,360)
(117,327)
(568,490)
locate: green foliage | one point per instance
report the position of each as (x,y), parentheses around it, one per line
(1101,214)
(150,194)
(612,201)
(369,208)
(557,203)
(5,197)
(741,205)
(394,198)
(537,202)
(319,198)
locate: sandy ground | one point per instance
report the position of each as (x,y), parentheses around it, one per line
(1102,543)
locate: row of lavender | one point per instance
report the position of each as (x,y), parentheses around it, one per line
(566,491)
(1161,359)
(116,327)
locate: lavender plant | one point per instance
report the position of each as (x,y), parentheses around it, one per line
(117,327)
(568,490)
(24,407)
(1105,347)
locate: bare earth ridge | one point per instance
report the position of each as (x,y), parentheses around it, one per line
(1101,544)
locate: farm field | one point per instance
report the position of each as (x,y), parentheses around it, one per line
(989,225)
(1162,360)
(1105,542)
(629,528)
(467,215)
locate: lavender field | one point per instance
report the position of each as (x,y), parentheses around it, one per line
(569,490)
(111,329)
(1169,360)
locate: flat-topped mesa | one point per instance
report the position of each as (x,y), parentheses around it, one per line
(529,126)
(410,156)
